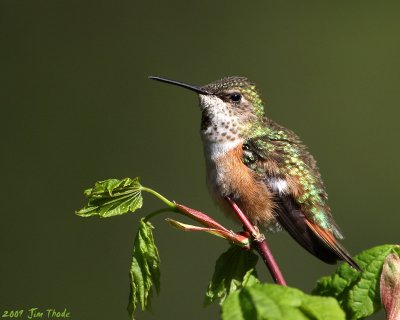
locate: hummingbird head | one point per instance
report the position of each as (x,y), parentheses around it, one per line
(230,107)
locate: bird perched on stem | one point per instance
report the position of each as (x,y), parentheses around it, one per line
(264,168)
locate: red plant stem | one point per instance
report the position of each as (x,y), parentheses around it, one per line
(260,244)
(269,260)
(243,218)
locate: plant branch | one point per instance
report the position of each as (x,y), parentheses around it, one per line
(159,196)
(259,244)
(216,228)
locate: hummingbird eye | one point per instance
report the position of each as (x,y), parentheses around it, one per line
(235,97)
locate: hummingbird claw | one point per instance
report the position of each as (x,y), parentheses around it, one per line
(258,236)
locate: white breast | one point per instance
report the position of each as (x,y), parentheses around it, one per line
(214,150)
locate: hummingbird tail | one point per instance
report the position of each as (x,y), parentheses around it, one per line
(316,240)
(332,244)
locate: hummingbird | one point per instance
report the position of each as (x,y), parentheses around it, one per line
(264,168)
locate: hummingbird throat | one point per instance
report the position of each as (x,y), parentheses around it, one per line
(220,129)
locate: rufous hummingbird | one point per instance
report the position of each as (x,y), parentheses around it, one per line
(264,168)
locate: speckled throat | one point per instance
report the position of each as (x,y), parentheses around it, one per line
(219,127)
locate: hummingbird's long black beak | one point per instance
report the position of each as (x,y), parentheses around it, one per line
(181,84)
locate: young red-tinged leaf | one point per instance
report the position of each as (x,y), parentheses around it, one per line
(204,219)
(145,269)
(390,287)
(235,238)
(275,302)
(358,292)
(112,197)
(234,269)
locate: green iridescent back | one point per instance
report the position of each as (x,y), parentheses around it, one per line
(272,142)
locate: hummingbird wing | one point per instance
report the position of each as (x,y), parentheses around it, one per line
(318,241)
(290,172)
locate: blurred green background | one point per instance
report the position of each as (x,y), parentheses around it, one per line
(77,107)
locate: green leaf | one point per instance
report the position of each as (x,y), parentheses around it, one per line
(145,269)
(250,278)
(274,302)
(234,269)
(112,197)
(358,292)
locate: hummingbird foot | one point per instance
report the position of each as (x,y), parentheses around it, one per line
(258,236)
